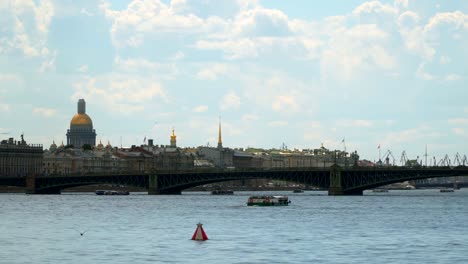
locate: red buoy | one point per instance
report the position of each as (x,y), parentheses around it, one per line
(199,233)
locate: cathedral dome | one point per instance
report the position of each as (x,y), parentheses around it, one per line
(81,120)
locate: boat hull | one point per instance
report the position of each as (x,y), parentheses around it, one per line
(268,201)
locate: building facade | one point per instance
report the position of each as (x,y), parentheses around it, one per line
(18,159)
(81,130)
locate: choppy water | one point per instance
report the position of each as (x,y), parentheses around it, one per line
(418,226)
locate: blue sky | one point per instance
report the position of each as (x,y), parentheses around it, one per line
(389,73)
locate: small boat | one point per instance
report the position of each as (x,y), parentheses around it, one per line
(380,190)
(275,200)
(447,190)
(111,192)
(222,192)
(298,191)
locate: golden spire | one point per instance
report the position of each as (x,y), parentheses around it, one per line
(173,139)
(173,135)
(220,140)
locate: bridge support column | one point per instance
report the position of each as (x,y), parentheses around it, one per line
(153,188)
(336,185)
(31,184)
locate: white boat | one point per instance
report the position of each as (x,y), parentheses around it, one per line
(111,192)
(275,200)
(447,190)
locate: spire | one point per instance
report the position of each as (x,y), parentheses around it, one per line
(220,140)
(173,139)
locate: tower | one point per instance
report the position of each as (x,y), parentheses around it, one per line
(220,140)
(81,130)
(173,139)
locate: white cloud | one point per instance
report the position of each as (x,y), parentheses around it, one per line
(444,60)
(249,117)
(212,72)
(86,12)
(278,123)
(45,112)
(458,131)
(362,123)
(48,64)
(179,55)
(143,67)
(376,7)
(458,121)
(83,68)
(200,109)
(119,92)
(284,103)
(142,17)
(26,26)
(421,73)
(4,107)
(230,101)
(452,77)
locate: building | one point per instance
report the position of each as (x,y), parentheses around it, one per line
(65,160)
(81,130)
(220,156)
(18,159)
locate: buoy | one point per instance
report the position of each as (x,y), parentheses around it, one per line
(199,233)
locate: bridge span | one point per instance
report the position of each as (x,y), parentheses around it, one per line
(338,180)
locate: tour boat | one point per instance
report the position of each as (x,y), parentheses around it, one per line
(222,192)
(275,200)
(111,192)
(446,190)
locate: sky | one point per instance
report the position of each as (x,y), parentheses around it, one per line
(354,74)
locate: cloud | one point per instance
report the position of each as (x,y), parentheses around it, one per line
(212,72)
(4,107)
(362,123)
(458,131)
(452,77)
(86,12)
(444,60)
(45,112)
(119,92)
(249,117)
(200,109)
(144,67)
(458,121)
(284,103)
(83,68)
(230,101)
(141,18)
(26,26)
(278,123)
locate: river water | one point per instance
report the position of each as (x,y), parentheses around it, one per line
(416,226)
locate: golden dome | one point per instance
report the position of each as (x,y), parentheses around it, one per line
(81,120)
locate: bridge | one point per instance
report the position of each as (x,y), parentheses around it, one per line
(338,181)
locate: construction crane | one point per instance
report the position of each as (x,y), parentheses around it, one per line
(457,160)
(404,159)
(387,156)
(445,162)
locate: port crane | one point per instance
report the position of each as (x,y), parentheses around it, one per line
(387,157)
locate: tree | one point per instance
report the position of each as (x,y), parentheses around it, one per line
(87,147)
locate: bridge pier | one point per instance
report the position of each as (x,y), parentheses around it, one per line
(153,185)
(336,185)
(31,184)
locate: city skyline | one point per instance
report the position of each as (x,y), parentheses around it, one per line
(376,73)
